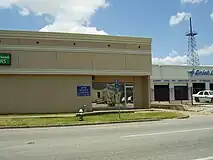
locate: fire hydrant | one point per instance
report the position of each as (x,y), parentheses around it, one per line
(80,115)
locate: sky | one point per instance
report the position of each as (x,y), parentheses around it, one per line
(166,22)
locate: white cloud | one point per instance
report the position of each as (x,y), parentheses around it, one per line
(194,1)
(175,59)
(211,16)
(206,51)
(69,15)
(179,17)
(173,53)
(24,12)
(4,4)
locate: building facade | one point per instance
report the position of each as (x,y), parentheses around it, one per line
(54,72)
(170,82)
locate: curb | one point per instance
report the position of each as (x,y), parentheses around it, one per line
(183,117)
(89,124)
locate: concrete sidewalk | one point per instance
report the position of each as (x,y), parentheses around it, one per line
(189,111)
(38,116)
(74,114)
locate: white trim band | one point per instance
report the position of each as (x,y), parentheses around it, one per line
(73,72)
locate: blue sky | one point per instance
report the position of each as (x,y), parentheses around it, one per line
(142,18)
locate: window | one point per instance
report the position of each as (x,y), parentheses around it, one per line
(99,94)
(206,93)
(211,93)
(201,93)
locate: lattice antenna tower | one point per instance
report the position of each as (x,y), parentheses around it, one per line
(192,55)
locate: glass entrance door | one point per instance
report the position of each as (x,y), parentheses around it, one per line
(129,95)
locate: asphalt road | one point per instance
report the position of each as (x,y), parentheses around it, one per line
(189,139)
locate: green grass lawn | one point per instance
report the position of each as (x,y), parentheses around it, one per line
(36,121)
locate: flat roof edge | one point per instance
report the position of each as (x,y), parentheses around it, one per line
(63,35)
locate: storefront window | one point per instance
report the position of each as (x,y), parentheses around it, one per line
(107,95)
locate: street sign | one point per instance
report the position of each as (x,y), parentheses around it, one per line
(117,90)
(116,83)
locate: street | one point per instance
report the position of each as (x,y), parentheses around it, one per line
(188,139)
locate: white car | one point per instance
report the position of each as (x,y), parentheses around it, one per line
(203,96)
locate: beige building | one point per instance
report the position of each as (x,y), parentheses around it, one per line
(54,72)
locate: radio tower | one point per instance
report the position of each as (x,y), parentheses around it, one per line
(192,56)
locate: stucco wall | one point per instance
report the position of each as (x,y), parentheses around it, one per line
(88,53)
(42,94)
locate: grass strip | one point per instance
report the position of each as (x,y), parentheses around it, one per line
(90,119)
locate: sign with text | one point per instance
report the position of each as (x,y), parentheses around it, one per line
(199,72)
(5,59)
(83,91)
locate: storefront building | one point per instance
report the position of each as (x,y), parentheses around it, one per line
(170,82)
(56,72)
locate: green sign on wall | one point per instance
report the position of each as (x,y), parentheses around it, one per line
(5,59)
